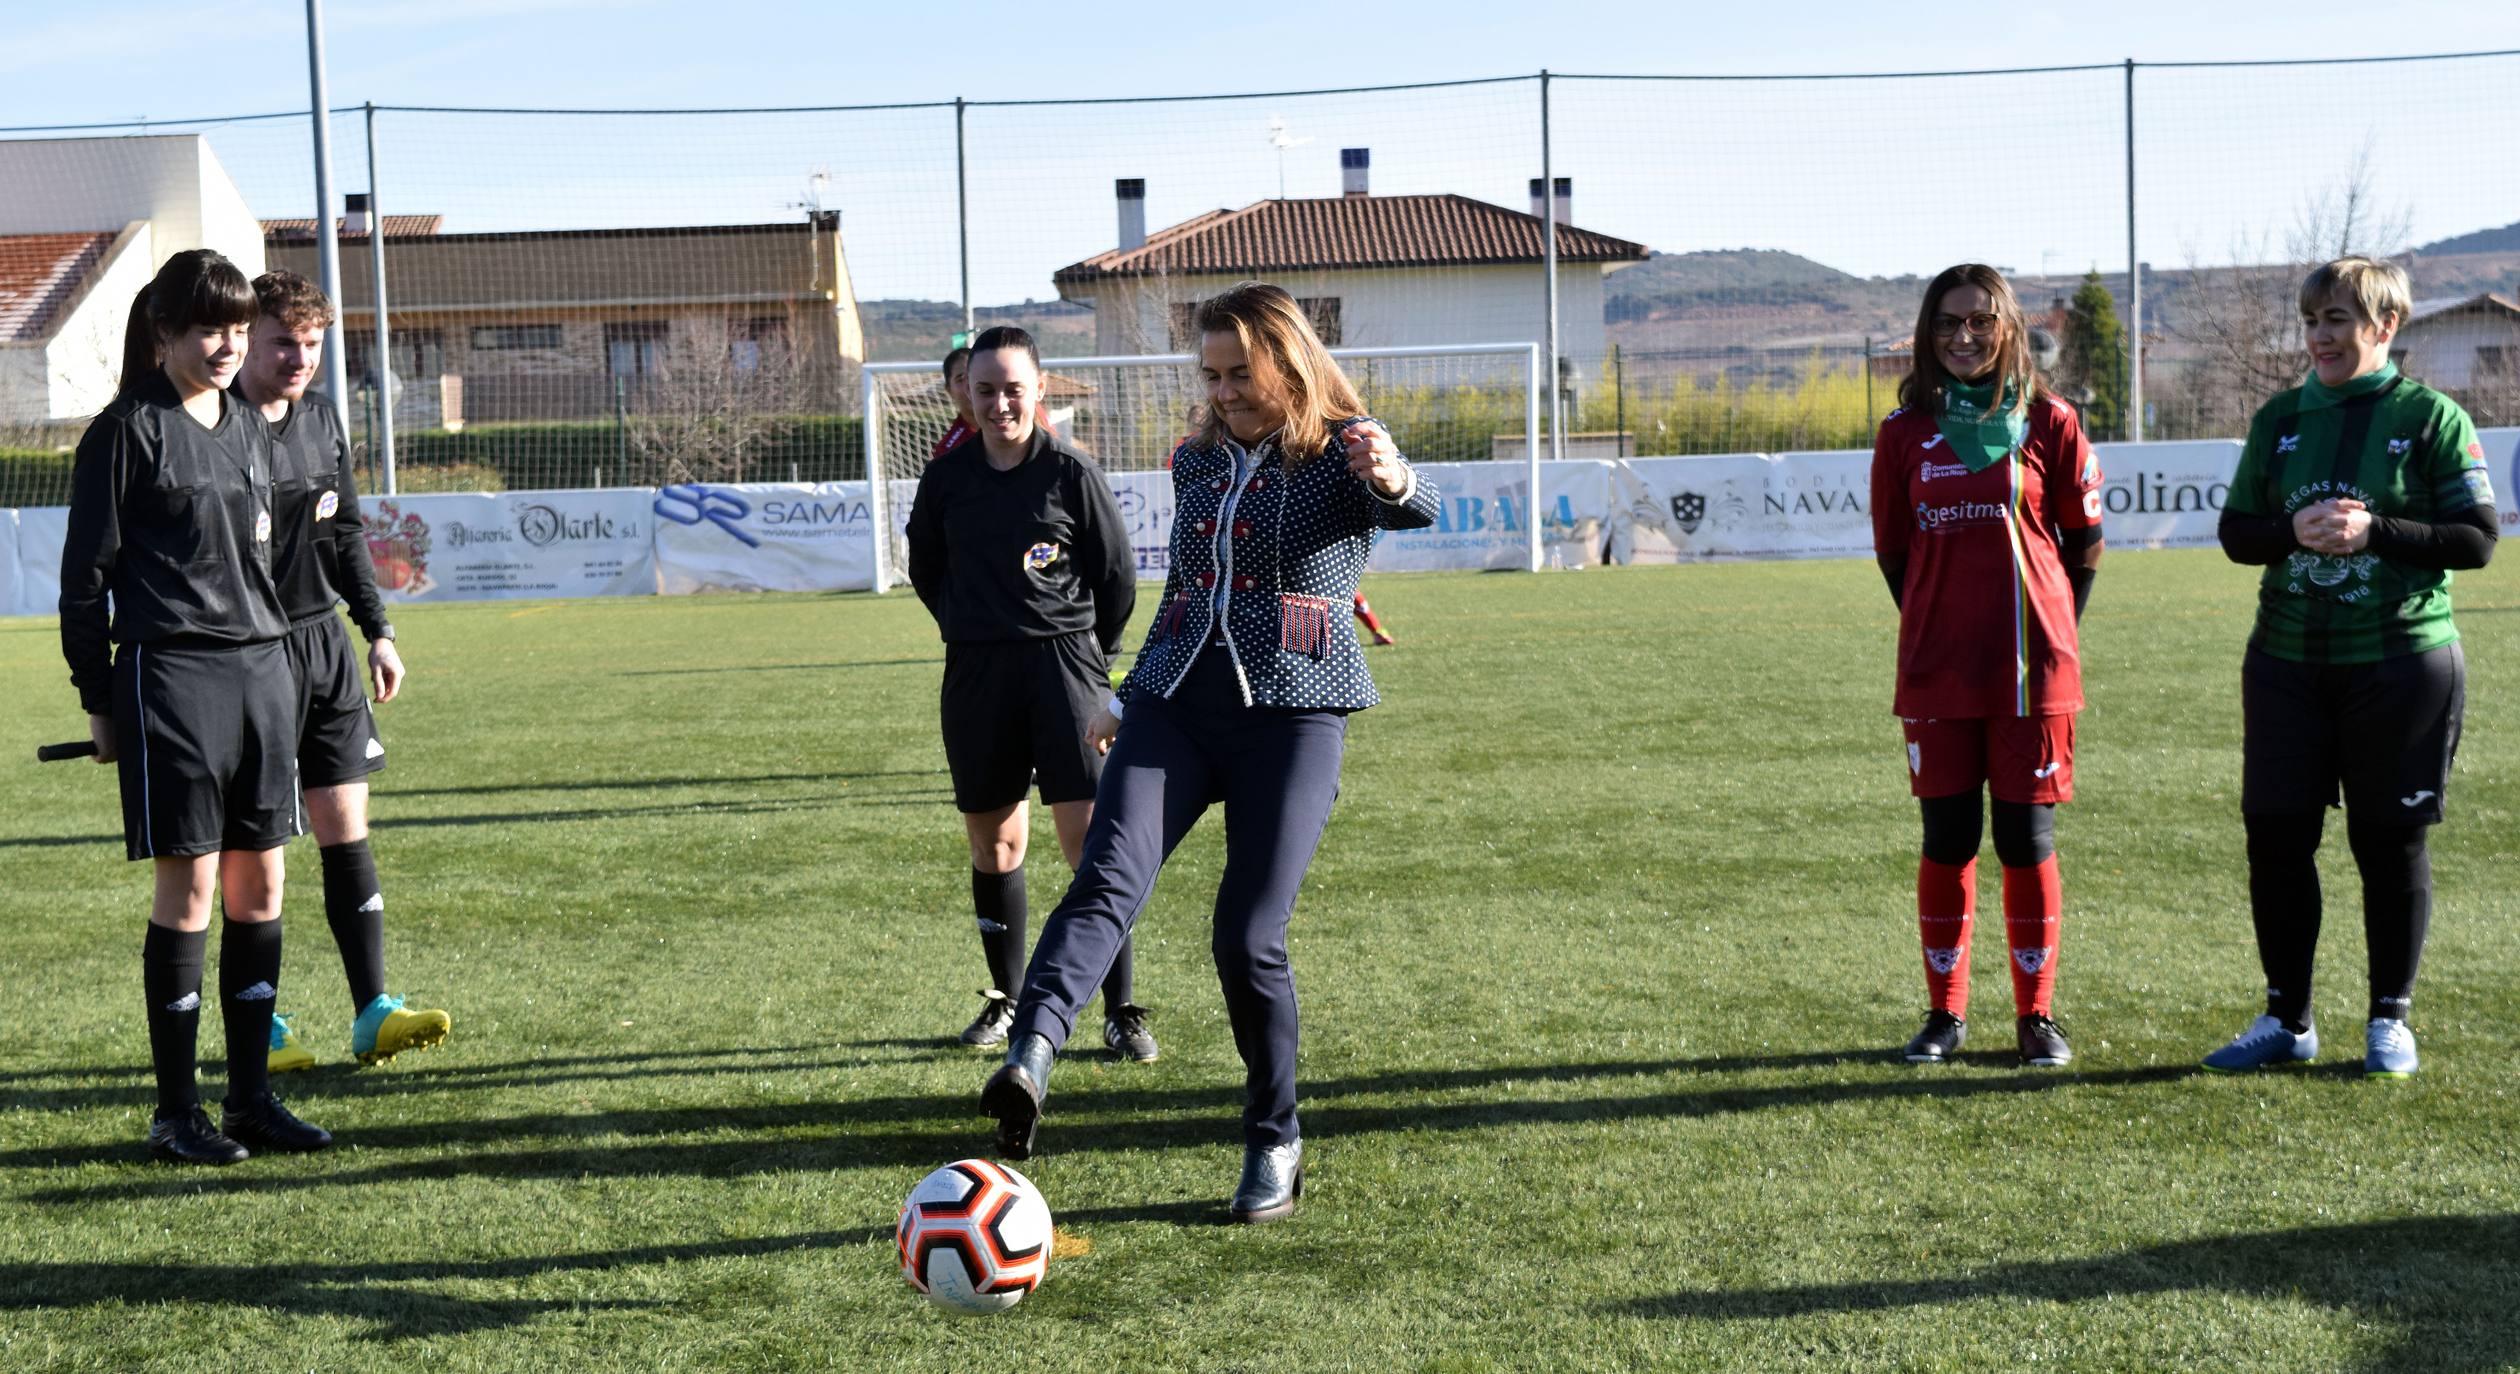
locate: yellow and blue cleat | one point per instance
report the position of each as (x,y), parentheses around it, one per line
(287,1055)
(384,1030)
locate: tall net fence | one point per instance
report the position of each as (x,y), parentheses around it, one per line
(584,298)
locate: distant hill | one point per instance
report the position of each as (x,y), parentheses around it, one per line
(901,330)
(1669,285)
(2503,240)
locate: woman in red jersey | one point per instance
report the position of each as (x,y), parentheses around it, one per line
(1986,522)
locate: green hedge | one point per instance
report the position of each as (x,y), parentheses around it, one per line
(33,477)
(563,454)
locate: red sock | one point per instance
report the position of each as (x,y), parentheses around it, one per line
(1946,906)
(1365,612)
(2032,899)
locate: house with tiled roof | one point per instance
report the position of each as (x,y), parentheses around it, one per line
(84,224)
(1373,271)
(2461,343)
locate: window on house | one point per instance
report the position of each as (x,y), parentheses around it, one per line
(515,336)
(750,341)
(635,348)
(418,353)
(2493,357)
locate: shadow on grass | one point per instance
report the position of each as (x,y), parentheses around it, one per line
(395,1298)
(761,806)
(903,1132)
(2443,1285)
(937,661)
(385,794)
(134,1086)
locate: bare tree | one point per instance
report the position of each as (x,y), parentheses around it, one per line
(2243,322)
(719,398)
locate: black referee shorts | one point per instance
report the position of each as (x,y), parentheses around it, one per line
(1016,710)
(206,739)
(336,733)
(2384,733)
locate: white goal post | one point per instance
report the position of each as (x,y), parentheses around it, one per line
(1443,402)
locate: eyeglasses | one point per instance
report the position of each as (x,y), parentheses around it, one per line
(1983,324)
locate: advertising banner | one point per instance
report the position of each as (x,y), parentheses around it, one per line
(2502,464)
(1746,505)
(766,536)
(1483,518)
(2165,496)
(9,603)
(482,546)
(42,531)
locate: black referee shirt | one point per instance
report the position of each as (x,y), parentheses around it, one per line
(172,520)
(1035,551)
(319,550)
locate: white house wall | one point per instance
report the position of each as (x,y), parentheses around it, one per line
(83,359)
(90,185)
(22,368)
(1387,307)
(2441,351)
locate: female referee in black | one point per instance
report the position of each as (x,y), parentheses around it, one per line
(1240,695)
(171,518)
(2359,491)
(1020,552)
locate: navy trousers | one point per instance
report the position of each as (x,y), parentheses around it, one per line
(1276,772)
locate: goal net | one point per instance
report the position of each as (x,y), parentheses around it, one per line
(1454,403)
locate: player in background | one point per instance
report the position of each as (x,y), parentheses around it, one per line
(958,391)
(1240,695)
(1373,623)
(1986,522)
(1019,550)
(320,559)
(168,561)
(2359,491)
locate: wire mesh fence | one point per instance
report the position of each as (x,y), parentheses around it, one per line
(581,298)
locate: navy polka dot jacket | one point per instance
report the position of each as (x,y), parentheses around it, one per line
(1280,553)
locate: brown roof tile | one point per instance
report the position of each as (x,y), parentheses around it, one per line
(396,227)
(39,274)
(1350,232)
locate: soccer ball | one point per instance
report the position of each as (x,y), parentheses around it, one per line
(974,1237)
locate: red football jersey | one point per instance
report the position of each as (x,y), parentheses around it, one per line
(953,436)
(1986,620)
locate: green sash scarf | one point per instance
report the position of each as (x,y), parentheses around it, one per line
(1979,431)
(2318,395)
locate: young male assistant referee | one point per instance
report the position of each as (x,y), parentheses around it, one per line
(1020,552)
(320,559)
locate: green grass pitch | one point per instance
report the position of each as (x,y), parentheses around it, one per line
(1603,961)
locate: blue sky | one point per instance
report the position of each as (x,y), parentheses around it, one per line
(1875,177)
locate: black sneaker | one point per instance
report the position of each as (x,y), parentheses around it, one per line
(997,1016)
(189,1138)
(2043,1043)
(263,1124)
(1939,1040)
(1124,1030)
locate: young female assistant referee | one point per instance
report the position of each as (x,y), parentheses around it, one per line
(169,557)
(1241,696)
(2359,491)
(1020,552)
(1986,522)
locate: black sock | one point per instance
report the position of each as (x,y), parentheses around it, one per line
(249,984)
(355,908)
(2397,909)
(998,900)
(1119,987)
(170,977)
(2284,905)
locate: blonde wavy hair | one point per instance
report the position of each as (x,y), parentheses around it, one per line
(1286,354)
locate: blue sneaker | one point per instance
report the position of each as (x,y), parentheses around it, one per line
(2388,1049)
(2266,1042)
(384,1030)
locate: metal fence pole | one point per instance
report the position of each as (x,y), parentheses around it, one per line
(384,335)
(327,241)
(1549,263)
(878,494)
(2134,282)
(962,213)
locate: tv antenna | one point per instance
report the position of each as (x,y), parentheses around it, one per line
(1281,140)
(817,181)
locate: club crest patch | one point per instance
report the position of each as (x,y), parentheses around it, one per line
(262,527)
(2031,960)
(1942,960)
(1040,556)
(327,504)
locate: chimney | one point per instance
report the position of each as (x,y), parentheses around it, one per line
(1565,200)
(1353,163)
(356,221)
(1132,195)
(1539,198)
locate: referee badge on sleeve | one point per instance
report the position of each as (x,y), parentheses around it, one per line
(1040,556)
(327,504)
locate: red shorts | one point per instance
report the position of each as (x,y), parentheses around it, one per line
(2018,758)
